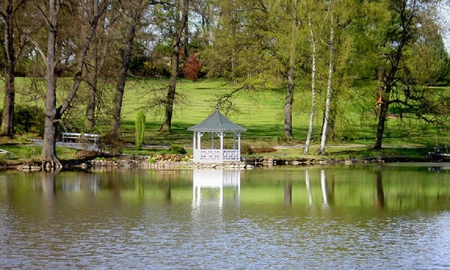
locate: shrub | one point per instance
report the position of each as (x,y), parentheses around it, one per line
(246,149)
(111,143)
(29,119)
(177,149)
(140,129)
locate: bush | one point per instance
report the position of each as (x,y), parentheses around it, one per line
(177,149)
(111,143)
(29,119)
(140,129)
(192,68)
(246,149)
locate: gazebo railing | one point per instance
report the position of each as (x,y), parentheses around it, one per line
(213,155)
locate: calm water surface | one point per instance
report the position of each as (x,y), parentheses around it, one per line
(359,217)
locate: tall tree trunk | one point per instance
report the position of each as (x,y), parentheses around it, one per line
(331,132)
(380,127)
(166,126)
(121,80)
(313,88)
(386,81)
(48,154)
(7,127)
(329,95)
(92,100)
(383,112)
(186,39)
(93,81)
(289,100)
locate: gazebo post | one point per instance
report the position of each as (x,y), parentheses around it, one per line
(239,142)
(199,142)
(194,141)
(221,145)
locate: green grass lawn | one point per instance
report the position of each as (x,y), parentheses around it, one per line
(261,113)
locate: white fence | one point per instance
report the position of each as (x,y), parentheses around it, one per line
(217,155)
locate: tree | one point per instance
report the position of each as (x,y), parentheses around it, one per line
(48,154)
(140,129)
(53,114)
(399,33)
(323,140)
(97,59)
(239,50)
(427,59)
(313,85)
(256,51)
(333,25)
(176,32)
(133,12)
(192,68)
(8,13)
(289,99)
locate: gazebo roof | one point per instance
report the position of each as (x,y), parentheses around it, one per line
(217,122)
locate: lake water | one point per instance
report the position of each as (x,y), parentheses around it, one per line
(342,217)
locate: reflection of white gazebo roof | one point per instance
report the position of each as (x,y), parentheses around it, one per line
(216,125)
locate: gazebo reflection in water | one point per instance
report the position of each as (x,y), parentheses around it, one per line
(215,181)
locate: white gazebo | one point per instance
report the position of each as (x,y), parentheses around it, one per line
(217,125)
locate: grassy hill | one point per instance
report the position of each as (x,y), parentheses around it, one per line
(261,113)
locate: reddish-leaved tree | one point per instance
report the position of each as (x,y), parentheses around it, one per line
(192,68)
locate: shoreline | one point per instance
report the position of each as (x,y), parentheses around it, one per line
(178,162)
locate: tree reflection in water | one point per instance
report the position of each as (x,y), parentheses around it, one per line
(379,201)
(326,187)
(48,185)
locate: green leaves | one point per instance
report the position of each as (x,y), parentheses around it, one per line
(140,129)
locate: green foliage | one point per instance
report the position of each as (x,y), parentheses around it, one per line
(29,119)
(427,59)
(140,129)
(177,149)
